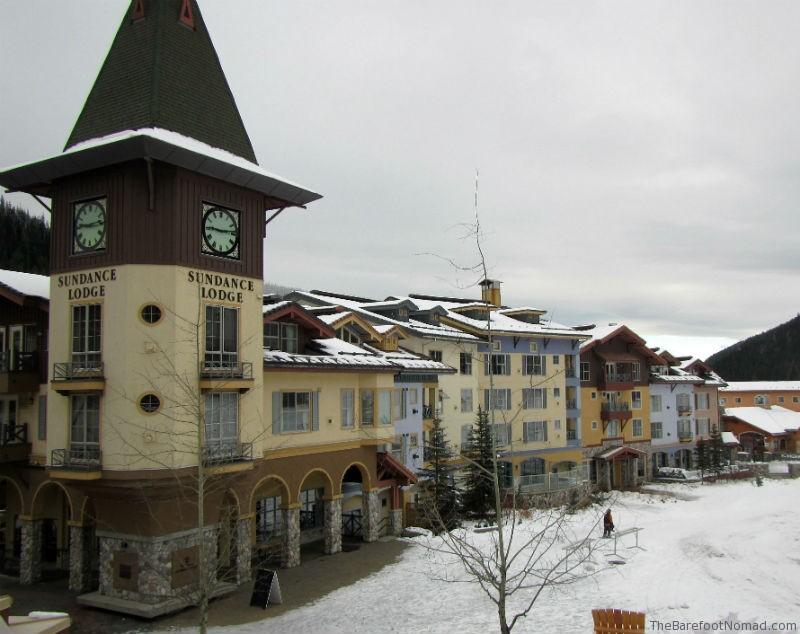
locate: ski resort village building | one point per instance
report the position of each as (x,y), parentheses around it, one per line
(761,393)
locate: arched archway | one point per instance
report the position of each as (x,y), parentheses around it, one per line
(227,550)
(12,505)
(315,487)
(52,508)
(268,501)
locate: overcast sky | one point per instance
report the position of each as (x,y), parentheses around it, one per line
(638,160)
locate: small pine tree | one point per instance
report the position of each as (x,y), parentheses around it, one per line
(478,496)
(716,451)
(702,456)
(440,496)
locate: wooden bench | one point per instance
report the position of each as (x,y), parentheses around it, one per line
(610,621)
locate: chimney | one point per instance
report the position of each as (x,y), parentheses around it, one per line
(490,292)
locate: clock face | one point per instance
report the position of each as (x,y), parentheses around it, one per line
(89,226)
(220,231)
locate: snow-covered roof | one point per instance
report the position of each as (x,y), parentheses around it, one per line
(271,308)
(28,284)
(164,145)
(599,332)
(409,361)
(772,420)
(761,386)
(677,375)
(729,438)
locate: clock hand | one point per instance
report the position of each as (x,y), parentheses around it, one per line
(91,224)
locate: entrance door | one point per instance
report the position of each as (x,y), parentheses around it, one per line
(15,345)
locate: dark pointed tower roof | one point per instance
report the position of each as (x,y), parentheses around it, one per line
(162,72)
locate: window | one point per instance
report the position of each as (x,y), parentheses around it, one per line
(385,407)
(466,400)
(761,399)
(268,519)
(612,429)
(151,314)
(594,424)
(367,407)
(796,399)
(534,398)
(533,364)
(221,417)
(683,403)
(557,425)
(594,396)
(496,346)
(348,398)
(435,355)
(398,404)
(556,359)
(655,402)
(738,399)
(535,431)
(295,411)
(656,430)
(500,399)
(502,434)
(684,429)
(413,395)
(722,400)
(413,440)
(636,371)
(780,399)
(281,336)
(556,392)
(532,466)
(636,399)
(701,400)
(149,403)
(702,426)
(85,427)
(310,508)
(465,363)
(637,427)
(86,353)
(346,334)
(501,364)
(42,432)
(222,348)
(585,372)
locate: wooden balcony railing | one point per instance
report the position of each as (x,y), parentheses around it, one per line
(14,434)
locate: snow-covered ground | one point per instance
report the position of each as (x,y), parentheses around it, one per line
(728,551)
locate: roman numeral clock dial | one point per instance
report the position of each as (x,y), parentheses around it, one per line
(220,231)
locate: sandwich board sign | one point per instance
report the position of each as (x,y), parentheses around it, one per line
(266,590)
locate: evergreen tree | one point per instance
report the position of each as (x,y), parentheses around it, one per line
(716,451)
(24,240)
(440,496)
(702,456)
(478,495)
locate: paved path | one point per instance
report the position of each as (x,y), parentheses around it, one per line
(318,576)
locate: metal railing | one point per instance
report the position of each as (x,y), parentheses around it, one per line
(15,361)
(684,434)
(14,434)
(351,524)
(615,406)
(572,403)
(619,377)
(226,370)
(224,452)
(570,373)
(547,482)
(684,409)
(76,458)
(427,411)
(572,434)
(90,369)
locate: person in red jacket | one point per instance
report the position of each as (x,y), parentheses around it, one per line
(608,524)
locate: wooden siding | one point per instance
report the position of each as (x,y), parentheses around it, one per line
(170,233)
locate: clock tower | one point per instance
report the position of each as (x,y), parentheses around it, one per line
(156,355)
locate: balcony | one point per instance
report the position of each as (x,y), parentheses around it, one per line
(19,372)
(79,463)
(685,435)
(79,376)
(572,408)
(615,411)
(618,381)
(428,412)
(14,446)
(683,410)
(219,375)
(572,438)
(228,453)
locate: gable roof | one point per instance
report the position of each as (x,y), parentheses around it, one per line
(772,420)
(604,333)
(25,288)
(298,314)
(161,73)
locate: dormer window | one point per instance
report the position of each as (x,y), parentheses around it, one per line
(348,335)
(281,336)
(403,314)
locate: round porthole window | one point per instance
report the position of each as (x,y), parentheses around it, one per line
(151,314)
(149,403)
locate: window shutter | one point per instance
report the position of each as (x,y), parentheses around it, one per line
(486,365)
(525,432)
(315,411)
(544,364)
(508,399)
(544,398)
(276,413)
(508,434)
(507,364)
(544,428)
(486,400)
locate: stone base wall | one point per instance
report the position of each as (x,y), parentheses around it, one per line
(370,515)
(290,548)
(396,522)
(333,526)
(244,550)
(80,558)
(154,560)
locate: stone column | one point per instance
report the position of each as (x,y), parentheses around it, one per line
(80,558)
(332,530)
(30,559)
(244,549)
(290,548)
(396,522)
(370,515)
